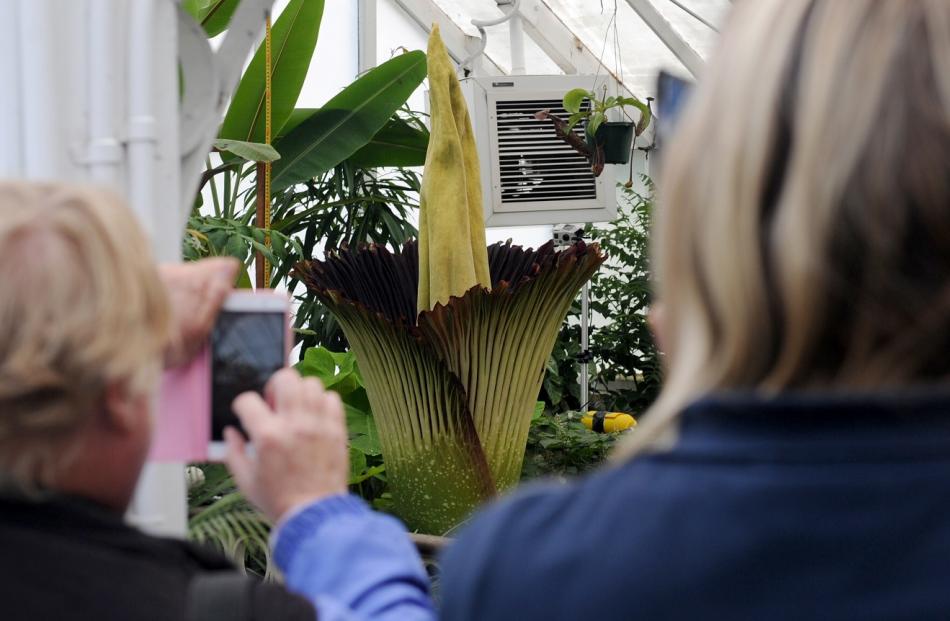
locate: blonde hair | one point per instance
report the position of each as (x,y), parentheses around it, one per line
(803,230)
(82,308)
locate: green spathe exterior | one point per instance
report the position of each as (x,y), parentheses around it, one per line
(452,389)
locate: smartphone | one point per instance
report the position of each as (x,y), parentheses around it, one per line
(249,343)
(671,95)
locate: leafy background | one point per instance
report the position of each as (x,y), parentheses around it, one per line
(345,174)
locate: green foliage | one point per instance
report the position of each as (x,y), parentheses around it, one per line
(561,389)
(625,371)
(221,517)
(401,142)
(596,114)
(340,373)
(347,122)
(346,206)
(250,151)
(213,15)
(293,39)
(560,445)
(628,369)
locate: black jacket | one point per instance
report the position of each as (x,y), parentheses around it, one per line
(794,508)
(66,559)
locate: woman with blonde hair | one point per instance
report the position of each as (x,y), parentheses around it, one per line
(797,463)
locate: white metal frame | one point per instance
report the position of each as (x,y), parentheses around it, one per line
(551,34)
(672,39)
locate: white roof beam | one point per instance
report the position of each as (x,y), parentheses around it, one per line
(459,43)
(561,45)
(672,39)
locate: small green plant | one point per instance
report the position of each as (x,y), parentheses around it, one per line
(560,445)
(625,373)
(596,113)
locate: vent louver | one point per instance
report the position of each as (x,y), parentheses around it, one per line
(535,164)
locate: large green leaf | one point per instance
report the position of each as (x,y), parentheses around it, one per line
(348,121)
(213,15)
(297,116)
(362,430)
(250,151)
(397,144)
(294,37)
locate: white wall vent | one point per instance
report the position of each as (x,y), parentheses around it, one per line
(529,175)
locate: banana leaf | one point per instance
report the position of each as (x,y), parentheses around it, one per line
(294,37)
(348,121)
(213,15)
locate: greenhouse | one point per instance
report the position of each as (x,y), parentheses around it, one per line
(385,310)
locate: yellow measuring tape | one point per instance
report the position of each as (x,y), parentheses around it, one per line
(267,139)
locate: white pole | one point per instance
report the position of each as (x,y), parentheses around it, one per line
(367,34)
(104,153)
(160,505)
(516,41)
(11,116)
(142,138)
(39,129)
(585,343)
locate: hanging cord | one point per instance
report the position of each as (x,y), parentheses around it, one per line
(603,49)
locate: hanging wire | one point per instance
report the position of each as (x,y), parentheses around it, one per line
(603,49)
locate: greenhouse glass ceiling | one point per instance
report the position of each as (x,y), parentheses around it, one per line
(603,26)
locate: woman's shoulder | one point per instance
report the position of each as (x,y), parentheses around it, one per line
(519,554)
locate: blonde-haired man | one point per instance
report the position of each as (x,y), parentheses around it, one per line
(86,323)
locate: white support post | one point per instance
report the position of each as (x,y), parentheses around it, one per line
(160,504)
(367,35)
(585,346)
(516,41)
(459,43)
(672,39)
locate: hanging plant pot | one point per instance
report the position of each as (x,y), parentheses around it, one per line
(616,139)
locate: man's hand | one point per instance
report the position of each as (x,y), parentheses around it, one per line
(299,437)
(196,291)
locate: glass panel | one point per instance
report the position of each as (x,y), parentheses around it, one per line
(600,25)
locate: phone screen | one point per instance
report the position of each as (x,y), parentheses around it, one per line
(671,95)
(246,349)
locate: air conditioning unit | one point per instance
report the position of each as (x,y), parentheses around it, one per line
(529,174)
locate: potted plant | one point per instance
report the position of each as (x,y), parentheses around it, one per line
(615,137)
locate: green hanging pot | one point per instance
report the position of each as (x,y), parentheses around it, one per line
(616,138)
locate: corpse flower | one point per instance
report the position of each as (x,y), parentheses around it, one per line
(451,337)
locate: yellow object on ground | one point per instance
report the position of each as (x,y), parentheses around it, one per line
(608,422)
(453,256)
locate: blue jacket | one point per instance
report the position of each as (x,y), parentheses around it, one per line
(799,507)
